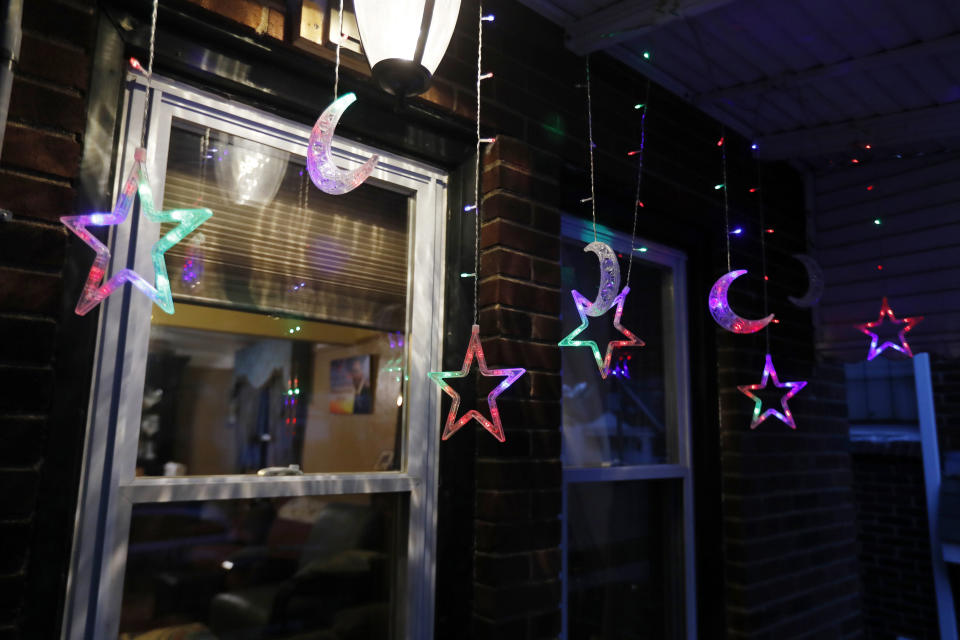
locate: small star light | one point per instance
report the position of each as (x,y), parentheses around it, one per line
(887,313)
(137,184)
(758,415)
(583,307)
(511,375)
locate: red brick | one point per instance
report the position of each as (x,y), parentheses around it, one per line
(506,206)
(32,197)
(29,292)
(54,62)
(60,21)
(512,293)
(40,104)
(31,245)
(506,234)
(41,151)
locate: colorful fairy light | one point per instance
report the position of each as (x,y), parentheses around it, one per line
(759,415)
(725,316)
(886,315)
(583,309)
(475,348)
(510,375)
(137,184)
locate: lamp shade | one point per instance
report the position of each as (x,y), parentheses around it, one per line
(405,40)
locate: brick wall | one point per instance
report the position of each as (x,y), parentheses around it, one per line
(945,375)
(41,438)
(898,596)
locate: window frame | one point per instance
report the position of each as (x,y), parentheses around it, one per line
(676,369)
(109,487)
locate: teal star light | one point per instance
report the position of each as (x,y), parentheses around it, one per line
(583,308)
(137,184)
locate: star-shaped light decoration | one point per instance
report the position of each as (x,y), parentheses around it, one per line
(494,425)
(887,313)
(137,184)
(583,306)
(758,414)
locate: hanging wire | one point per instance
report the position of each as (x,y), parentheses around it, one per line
(149,74)
(763,250)
(636,197)
(593,191)
(336,67)
(723,187)
(476,175)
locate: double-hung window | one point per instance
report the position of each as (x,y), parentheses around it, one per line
(262,463)
(628,544)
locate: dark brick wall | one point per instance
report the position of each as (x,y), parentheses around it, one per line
(945,375)
(40,438)
(898,596)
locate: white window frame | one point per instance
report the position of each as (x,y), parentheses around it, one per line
(109,487)
(676,369)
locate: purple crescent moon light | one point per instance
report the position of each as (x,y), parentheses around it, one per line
(724,315)
(324,173)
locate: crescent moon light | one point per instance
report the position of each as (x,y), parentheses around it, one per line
(609,278)
(724,315)
(324,173)
(815,276)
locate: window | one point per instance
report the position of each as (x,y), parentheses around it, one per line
(262,463)
(628,496)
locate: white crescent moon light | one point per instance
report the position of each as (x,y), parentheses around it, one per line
(724,315)
(815,276)
(324,173)
(609,278)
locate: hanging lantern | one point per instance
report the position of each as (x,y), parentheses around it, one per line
(405,40)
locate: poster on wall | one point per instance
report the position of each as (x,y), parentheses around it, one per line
(350,389)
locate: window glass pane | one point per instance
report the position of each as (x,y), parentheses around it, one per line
(620,420)
(624,560)
(287,346)
(306,567)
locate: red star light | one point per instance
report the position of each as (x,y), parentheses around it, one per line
(887,313)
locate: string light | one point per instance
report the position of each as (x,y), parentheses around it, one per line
(475,348)
(753,189)
(638,106)
(754,146)
(646,55)
(769,230)
(869,187)
(720,142)
(737,231)
(876,221)
(717,187)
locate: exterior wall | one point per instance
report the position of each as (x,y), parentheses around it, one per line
(44,353)
(916,200)
(898,597)
(774,509)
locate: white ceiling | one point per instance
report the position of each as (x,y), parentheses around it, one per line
(809,80)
